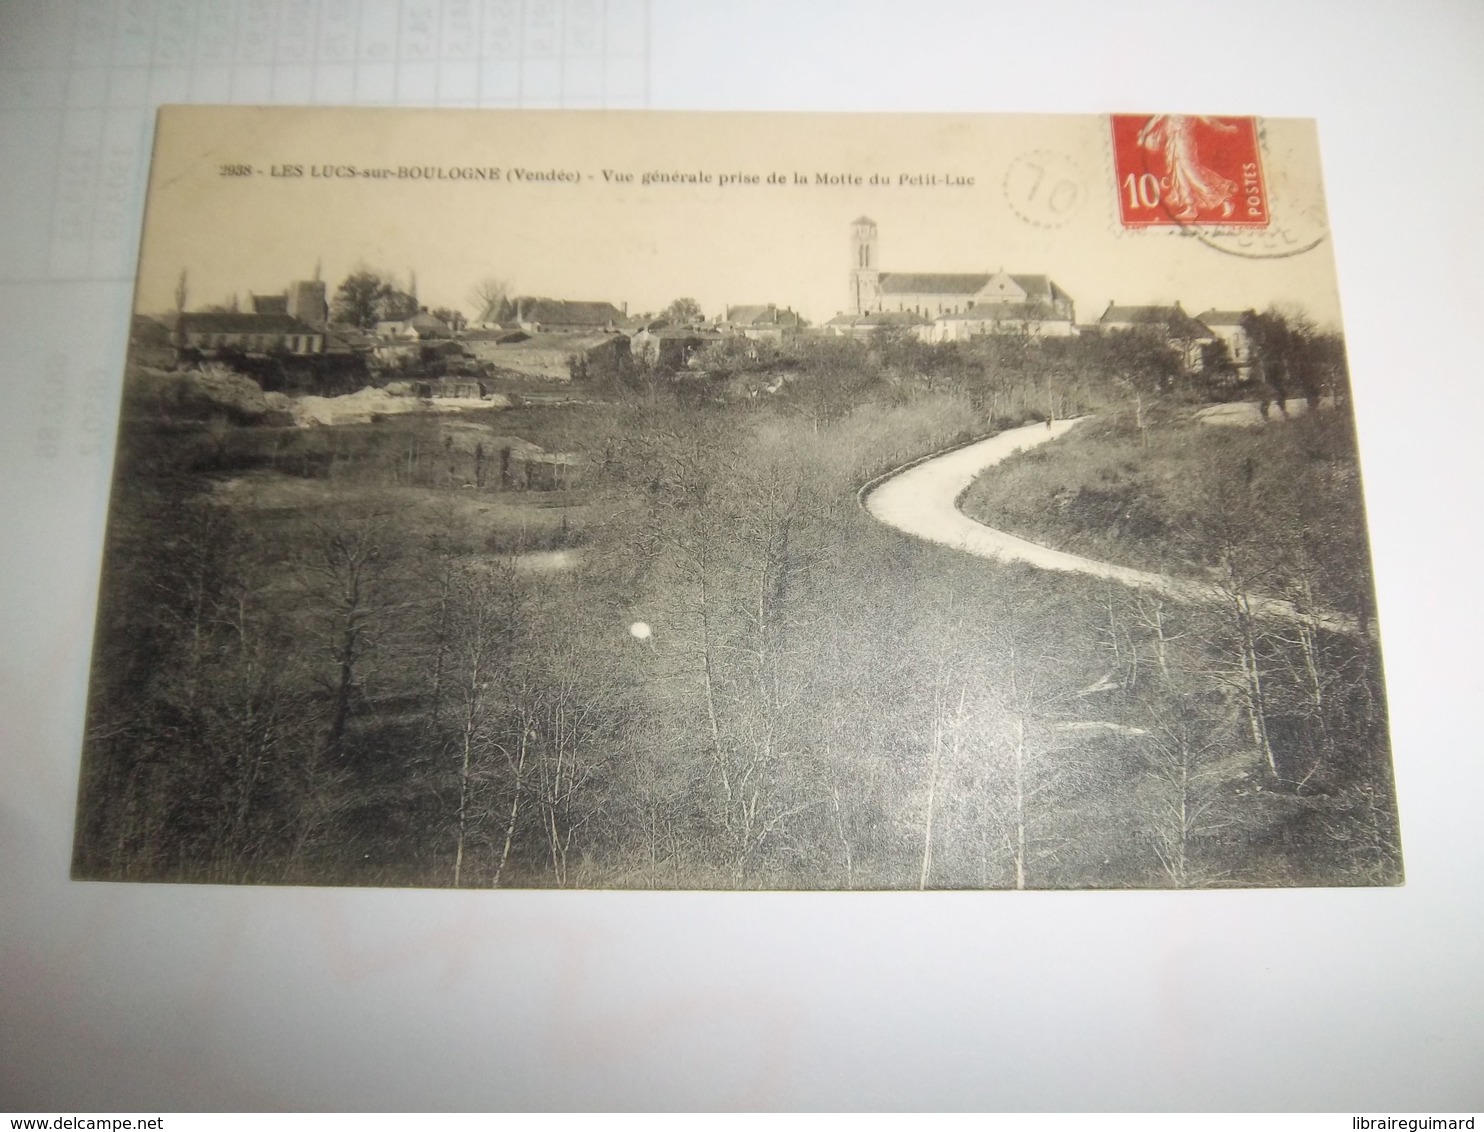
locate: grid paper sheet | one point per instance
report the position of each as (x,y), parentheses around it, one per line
(79,84)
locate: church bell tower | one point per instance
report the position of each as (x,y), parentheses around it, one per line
(865,277)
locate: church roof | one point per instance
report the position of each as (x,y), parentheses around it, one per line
(931,283)
(270,304)
(1038,287)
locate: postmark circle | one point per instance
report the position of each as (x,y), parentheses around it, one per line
(1044,188)
(1293,236)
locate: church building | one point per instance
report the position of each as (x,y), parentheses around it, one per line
(956,305)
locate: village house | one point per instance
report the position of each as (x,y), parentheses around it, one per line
(1185,335)
(421,327)
(1034,320)
(394,330)
(863,325)
(210,332)
(659,345)
(293,322)
(1230,327)
(563,316)
(1026,303)
(760,321)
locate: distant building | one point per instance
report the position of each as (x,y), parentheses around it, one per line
(1187,336)
(1230,327)
(933,295)
(1034,320)
(563,316)
(214,331)
(863,325)
(303,299)
(760,321)
(308,302)
(662,346)
(394,330)
(293,322)
(421,327)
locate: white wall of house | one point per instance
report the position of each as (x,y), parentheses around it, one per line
(1237,342)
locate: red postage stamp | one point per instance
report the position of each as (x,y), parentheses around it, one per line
(1181,170)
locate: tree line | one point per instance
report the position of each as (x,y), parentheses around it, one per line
(362,692)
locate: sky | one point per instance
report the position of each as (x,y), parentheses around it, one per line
(746,208)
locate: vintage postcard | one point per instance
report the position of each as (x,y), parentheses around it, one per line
(640,500)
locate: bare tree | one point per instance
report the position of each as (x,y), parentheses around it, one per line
(342,574)
(948,718)
(571,747)
(484,603)
(489,299)
(1035,669)
(1178,759)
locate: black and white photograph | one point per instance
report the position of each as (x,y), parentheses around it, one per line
(736,501)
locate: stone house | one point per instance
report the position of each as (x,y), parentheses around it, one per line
(213,331)
(1230,327)
(760,321)
(562,316)
(1187,336)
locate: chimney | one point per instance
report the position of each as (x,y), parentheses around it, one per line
(624,306)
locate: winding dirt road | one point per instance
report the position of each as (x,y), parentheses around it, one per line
(922,500)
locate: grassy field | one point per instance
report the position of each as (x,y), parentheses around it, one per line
(1149,497)
(356,655)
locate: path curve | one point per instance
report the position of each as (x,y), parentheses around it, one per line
(922,500)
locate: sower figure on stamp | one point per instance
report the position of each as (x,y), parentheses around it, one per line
(1189,185)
